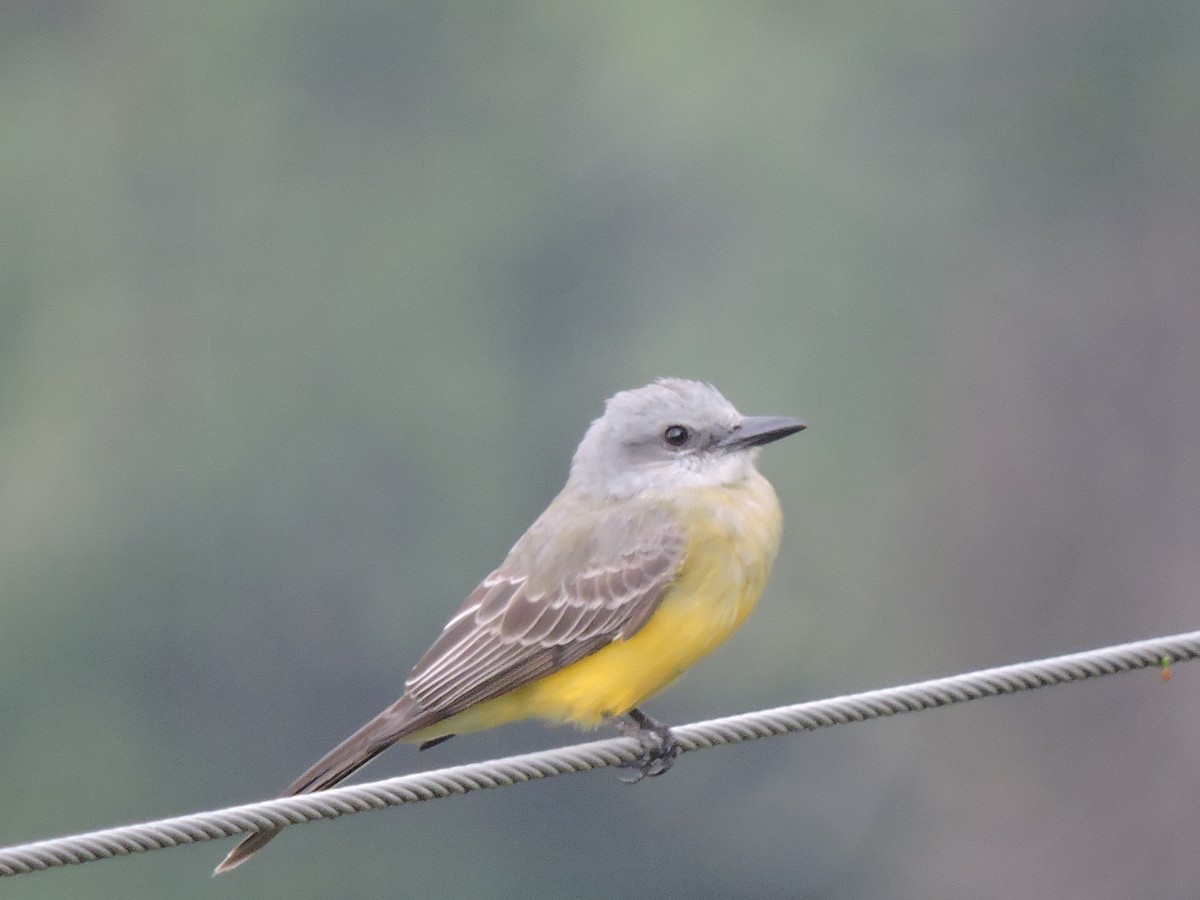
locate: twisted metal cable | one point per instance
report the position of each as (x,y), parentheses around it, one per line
(208,826)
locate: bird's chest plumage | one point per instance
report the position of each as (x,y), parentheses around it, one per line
(731,536)
(732,539)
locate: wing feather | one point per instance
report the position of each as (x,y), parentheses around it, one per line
(509,632)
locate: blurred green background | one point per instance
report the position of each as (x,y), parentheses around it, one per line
(304,306)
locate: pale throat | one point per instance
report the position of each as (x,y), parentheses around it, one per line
(683,473)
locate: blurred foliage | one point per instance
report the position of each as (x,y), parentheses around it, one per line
(303,307)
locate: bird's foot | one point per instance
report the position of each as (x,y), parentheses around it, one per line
(659,747)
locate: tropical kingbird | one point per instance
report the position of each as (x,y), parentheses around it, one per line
(654,553)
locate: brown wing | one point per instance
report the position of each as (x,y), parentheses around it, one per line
(510,632)
(562,593)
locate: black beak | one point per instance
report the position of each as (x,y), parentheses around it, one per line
(754,431)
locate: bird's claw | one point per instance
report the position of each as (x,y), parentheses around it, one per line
(659,747)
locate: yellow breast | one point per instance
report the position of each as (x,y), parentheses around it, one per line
(731,538)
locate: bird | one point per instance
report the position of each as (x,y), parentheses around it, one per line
(653,554)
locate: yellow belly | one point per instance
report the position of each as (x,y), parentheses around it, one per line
(732,536)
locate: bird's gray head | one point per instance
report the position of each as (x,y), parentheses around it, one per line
(669,434)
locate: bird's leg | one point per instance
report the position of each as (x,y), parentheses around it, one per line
(659,747)
(433,742)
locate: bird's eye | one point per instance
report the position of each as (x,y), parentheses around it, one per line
(676,435)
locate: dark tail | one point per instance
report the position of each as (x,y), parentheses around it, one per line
(400,719)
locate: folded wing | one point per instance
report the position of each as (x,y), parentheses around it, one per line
(509,632)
